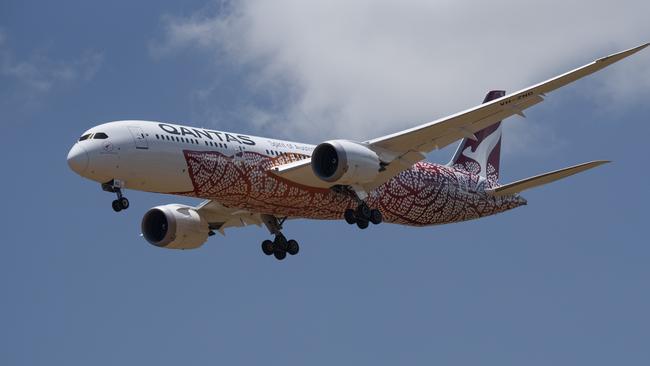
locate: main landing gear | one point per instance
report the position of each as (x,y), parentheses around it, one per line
(115,186)
(280,246)
(362,216)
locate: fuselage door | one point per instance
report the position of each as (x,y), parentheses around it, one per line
(139,137)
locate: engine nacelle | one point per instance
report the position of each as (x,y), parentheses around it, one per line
(175,227)
(345,162)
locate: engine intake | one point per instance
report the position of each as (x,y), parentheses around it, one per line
(345,162)
(174,227)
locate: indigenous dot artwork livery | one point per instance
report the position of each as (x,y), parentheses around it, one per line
(425,194)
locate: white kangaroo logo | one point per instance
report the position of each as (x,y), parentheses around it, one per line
(484,150)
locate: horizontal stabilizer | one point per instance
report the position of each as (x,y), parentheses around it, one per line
(538,180)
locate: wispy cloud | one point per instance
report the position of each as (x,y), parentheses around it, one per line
(364,68)
(39,74)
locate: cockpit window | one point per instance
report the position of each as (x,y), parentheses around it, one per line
(100,136)
(84,137)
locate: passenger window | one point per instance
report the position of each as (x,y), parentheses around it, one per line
(100,136)
(84,137)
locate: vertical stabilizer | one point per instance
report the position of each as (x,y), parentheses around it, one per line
(481,155)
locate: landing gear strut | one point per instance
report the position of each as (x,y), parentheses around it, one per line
(280,246)
(115,186)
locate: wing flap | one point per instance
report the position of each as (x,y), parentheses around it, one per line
(538,180)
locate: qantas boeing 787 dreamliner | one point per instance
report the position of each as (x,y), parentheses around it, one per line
(254,180)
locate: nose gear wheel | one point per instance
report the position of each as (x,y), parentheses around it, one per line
(115,186)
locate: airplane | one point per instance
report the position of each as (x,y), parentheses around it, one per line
(249,180)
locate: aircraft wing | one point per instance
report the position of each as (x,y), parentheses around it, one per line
(220,217)
(409,146)
(440,133)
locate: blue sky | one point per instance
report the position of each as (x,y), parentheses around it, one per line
(561,281)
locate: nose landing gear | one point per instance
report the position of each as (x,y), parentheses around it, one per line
(120,204)
(115,186)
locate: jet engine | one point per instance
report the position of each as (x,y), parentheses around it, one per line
(175,227)
(345,162)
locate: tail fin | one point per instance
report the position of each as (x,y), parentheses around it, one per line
(481,155)
(542,179)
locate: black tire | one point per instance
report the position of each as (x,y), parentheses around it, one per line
(349,216)
(267,247)
(124,203)
(376,216)
(280,242)
(116,206)
(292,247)
(363,211)
(362,224)
(280,254)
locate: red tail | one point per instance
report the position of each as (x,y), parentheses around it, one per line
(481,156)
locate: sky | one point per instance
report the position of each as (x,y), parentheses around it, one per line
(561,281)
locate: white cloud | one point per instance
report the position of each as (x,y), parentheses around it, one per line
(360,69)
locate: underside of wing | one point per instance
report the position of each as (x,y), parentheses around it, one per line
(300,172)
(220,217)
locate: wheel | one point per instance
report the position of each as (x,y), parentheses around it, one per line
(362,224)
(280,242)
(124,203)
(116,206)
(280,254)
(292,247)
(267,247)
(349,216)
(363,211)
(375,216)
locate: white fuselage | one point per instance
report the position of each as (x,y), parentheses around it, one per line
(148,156)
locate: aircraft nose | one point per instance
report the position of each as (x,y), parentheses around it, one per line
(78,159)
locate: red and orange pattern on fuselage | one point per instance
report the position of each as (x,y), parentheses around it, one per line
(425,194)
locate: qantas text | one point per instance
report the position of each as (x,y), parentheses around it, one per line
(201,133)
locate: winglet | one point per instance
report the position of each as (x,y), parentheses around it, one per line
(538,180)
